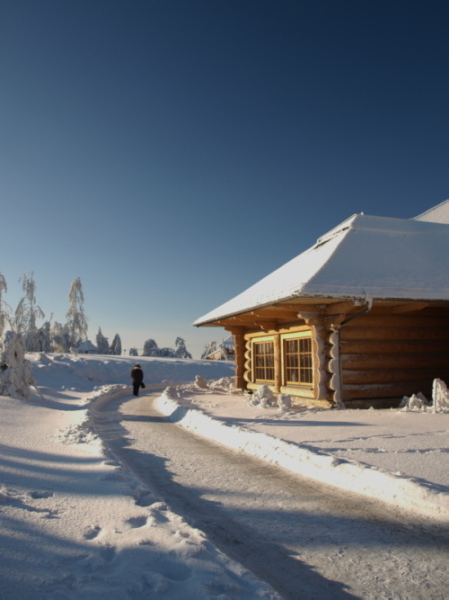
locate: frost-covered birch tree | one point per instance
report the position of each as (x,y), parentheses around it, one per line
(3,311)
(27,313)
(76,325)
(59,338)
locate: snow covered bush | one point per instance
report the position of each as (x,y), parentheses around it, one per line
(284,402)
(133,352)
(416,402)
(440,395)
(15,374)
(263,397)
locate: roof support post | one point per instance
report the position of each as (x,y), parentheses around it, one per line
(277,363)
(239,344)
(334,324)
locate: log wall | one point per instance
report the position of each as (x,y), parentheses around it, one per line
(387,356)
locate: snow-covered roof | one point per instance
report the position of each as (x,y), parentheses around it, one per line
(437,214)
(87,346)
(377,257)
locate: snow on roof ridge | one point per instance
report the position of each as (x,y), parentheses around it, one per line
(429,211)
(361,222)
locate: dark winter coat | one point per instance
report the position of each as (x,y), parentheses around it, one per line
(137,376)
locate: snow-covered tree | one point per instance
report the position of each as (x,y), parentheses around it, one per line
(102,343)
(116,345)
(60,341)
(43,338)
(148,347)
(15,370)
(181,350)
(76,325)
(133,352)
(163,352)
(3,311)
(27,313)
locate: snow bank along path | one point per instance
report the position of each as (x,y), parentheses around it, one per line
(404,493)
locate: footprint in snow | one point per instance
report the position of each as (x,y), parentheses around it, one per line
(137,522)
(40,494)
(91,532)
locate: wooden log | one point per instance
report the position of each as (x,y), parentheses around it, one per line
(409,307)
(344,306)
(394,346)
(265,313)
(387,390)
(239,343)
(394,375)
(384,333)
(399,321)
(356,362)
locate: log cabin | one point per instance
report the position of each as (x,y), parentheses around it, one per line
(358,320)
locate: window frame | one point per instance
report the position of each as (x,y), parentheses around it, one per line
(258,342)
(297,336)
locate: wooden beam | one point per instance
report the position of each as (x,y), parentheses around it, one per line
(266,325)
(273,313)
(408,307)
(340,307)
(234,330)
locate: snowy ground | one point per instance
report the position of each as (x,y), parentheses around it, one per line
(400,457)
(75,523)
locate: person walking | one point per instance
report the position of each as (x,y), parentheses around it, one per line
(137,379)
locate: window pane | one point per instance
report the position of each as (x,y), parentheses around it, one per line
(298,361)
(264,361)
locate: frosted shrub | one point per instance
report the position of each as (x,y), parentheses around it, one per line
(263,397)
(440,395)
(284,402)
(15,376)
(416,402)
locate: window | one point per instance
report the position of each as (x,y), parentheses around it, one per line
(263,361)
(298,368)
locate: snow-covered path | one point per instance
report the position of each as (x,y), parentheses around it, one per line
(304,539)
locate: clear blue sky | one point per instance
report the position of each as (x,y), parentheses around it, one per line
(170,153)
